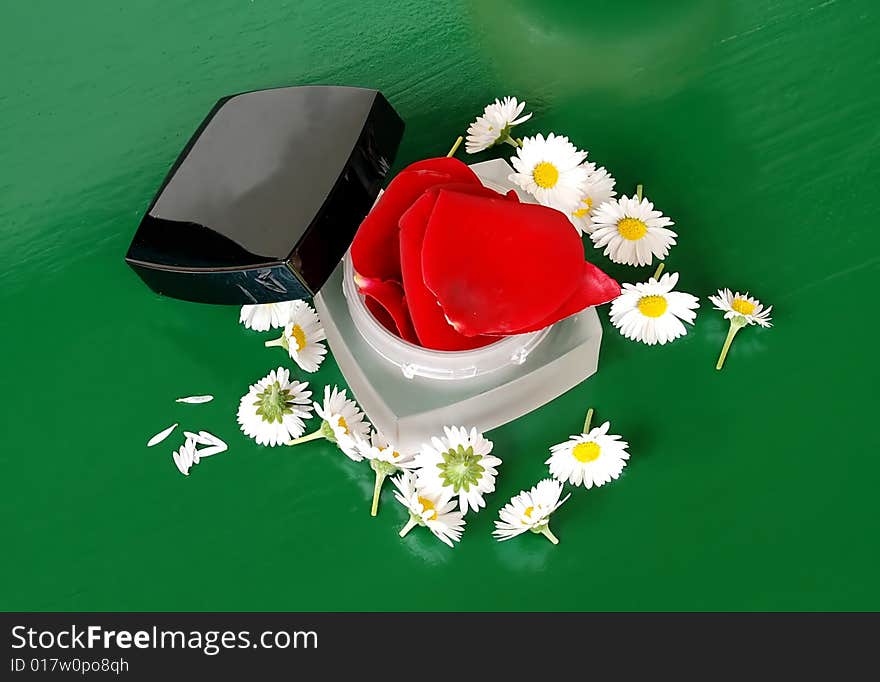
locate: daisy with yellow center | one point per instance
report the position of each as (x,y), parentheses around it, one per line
(342,423)
(493,127)
(385,459)
(632,231)
(741,310)
(651,312)
(274,409)
(302,337)
(530,511)
(599,189)
(264,316)
(593,457)
(434,511)
(552,170)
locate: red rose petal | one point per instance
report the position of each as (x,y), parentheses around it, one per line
(496,266)
(595,288)
(457,170)
(389,295)
(431,325)
(375,250)
(382,316)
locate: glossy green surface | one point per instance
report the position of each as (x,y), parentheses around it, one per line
(753,124)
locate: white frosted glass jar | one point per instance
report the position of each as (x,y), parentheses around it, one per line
(442,365)
(409,393)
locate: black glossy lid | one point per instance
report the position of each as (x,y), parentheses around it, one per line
(265,198)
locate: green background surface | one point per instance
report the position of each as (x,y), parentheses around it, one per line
(753,124)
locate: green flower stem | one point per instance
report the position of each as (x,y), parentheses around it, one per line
(380,479)
(547,533)
(588,420)
(659,271)
(275,342)
(314,435)
(639,192)
(455,146)
(736,323)
(513,141)
(412,523)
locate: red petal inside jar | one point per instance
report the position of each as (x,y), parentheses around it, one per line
(389,296)
(496,266)
(595,288)
(375,250)
(430,323)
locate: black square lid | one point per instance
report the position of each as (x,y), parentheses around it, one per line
(267,195)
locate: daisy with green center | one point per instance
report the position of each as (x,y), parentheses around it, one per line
(552,170)
(493,127)
(741,310)
(632,231)
(592,458)
(385,459)
(342,423)
(273,410)
(651,312)
(434,511)
(599,189)
(264,316)
(302,337)
(530,511)
(458,464)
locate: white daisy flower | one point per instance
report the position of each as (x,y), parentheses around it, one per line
(591,458)
(552,170)
(343,423)
(493,127)
(437,512)
(264,316)
(385,459)
(741,310)
(273,410)
(742,305)
(530,510)
(632,231)
(599,189)
(458,464)
(302,336)
(651,312)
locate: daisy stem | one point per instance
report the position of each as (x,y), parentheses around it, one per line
(588,420)
(314,435)
(639,192)
(408,527)
(513,141)
(275,342)
(547,533)
(734,328)
(455,147)
(380,479)
(659,270)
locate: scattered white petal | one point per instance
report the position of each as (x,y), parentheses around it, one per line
(195,399)
(162,435)
(185,457)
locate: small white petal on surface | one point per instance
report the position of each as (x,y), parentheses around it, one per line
(195,399)
(162,435)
